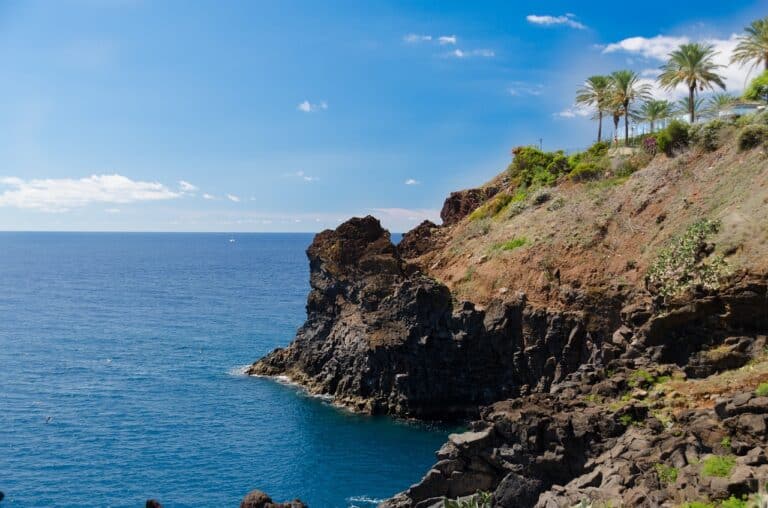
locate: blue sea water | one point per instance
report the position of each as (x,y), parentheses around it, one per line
(120,378)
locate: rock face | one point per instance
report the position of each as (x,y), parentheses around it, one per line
(258,499)
(380,337)
(461,203)
(420,240)
(607,434)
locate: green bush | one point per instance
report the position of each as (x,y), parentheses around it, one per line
(734,502)
(718,465)
(762,390)
(510,244)
(586,171)
(531,166)
(681,265)
(673,137)
(752,136)
(758,88)
(707,136)
(594,152)
(492,207)
(667,474)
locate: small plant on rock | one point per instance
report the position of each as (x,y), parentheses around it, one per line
(681,265)
(718,465)
(667,474)
(762,390)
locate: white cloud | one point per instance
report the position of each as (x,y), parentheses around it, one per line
(208,196)
(656,48)
(460,53)
(304,176)
(60,195)
(112,210)
(309,107)
(414,38)
(566,20)
(406,215)
(186,187)
(447,39)
(411,181)
(573,112)
(659,47)
(520,88)
(233,198)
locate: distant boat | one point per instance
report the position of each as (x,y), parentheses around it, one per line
(231,240)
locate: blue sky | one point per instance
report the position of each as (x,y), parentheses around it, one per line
(169,115)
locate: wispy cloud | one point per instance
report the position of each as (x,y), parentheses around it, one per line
(309,107)
(447,39)
(303,176)
(462,53)
(187,187)
(521,88)
(233,198)
(573,112)
(546,20)
(416,38)
(411,181)
(208,196)
(112,210)
(63,194)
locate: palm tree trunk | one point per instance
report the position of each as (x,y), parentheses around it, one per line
(652,129)
(599,126)
(626,123)
(691,103)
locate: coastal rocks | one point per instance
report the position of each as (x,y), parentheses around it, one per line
(380,337)
(258,499)
(461,203)
(548,451)
(419,240)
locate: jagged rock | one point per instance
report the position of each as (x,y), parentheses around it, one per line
(461,203)
(151,503)
(419,240)
(259,499)
(382,338)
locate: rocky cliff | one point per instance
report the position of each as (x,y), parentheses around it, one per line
(609,338)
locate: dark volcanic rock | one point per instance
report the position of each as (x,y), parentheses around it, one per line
(419,240)
(382,338)
(461,203)
(258,499)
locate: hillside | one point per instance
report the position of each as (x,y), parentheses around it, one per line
(602,318)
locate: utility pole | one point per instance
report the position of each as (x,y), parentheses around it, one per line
(541,144)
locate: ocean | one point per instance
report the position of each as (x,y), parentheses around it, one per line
(121,378)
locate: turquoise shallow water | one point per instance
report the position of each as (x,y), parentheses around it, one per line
(120,361)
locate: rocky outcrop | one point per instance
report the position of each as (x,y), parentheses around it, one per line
(420,240)
(259,499)
(599,434)
(381,337)
(461,203)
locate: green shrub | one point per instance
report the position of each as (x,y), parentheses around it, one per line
(762,390)
(510,244)
(667,474)
(758,88)
(586,171)
(697,504)
(734,502)
(492,207)
(718,465)
(707,136)
(752,136)
(673,137)
(680,265)
(531,166)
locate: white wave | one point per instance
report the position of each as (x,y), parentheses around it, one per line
(239,370)
(363,499)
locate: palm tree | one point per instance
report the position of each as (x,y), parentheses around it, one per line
(652,111)
(683,106)
(716,103)
(627,88)
(692,65)
(753,46)
(595,93)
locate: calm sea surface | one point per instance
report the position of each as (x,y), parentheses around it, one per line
(120,378)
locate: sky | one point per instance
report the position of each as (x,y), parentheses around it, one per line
(240,116)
